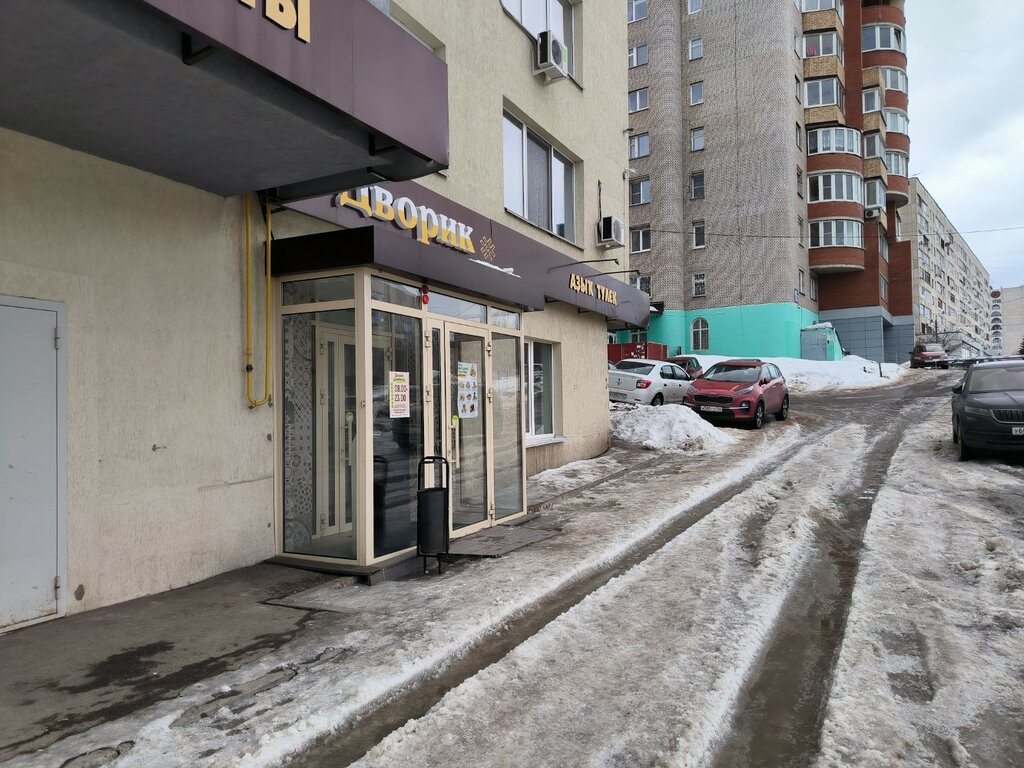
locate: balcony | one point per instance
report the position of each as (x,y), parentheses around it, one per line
(835,260)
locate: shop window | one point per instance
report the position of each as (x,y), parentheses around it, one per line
(540,388)
(507,420)
(505,319)
(699,335)
(341,288)
(539,181)
(452,306)
(540,15)
(395,293)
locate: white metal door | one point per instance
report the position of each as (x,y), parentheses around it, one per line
(29,469)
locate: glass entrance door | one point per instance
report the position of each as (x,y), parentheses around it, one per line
(468,421)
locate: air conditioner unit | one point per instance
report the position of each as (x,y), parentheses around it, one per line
(611,232)
(872,213)
(552,57)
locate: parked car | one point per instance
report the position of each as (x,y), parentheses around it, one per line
(929,356)
(988,408)
(649,382)
(688,363)
(741,391)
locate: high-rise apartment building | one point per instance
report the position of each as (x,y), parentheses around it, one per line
(769,149)
(949,291)
(1007,321)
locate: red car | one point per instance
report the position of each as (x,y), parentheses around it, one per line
(688,363)
(742,391)
(929,356)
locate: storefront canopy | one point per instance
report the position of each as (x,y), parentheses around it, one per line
(226,97)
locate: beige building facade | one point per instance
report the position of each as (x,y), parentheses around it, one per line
(1007,321)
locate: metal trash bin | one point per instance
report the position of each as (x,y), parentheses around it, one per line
(432,514)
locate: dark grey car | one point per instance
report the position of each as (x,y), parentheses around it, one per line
(988,408)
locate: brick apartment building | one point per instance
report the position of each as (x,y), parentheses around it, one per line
(769,150)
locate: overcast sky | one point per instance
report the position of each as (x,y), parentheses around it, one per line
(967,122)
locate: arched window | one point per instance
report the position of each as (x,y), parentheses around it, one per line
(699,335)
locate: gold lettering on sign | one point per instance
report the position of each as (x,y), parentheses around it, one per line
(582,285)
(287,14)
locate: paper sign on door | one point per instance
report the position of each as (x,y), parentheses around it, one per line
(398,394)
(469,391)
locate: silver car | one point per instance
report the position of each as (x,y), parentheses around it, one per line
(648,382)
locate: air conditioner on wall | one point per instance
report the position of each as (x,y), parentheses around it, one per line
(552,57)
(611,232)
(872,213)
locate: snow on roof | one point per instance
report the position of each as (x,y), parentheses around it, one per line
(668,428)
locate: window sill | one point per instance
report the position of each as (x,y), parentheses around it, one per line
(548,232)
(540,440)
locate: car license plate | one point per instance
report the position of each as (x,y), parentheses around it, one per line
(1018,430)
(718,409)
(616,396)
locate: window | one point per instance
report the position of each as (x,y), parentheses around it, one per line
(698,234)
(883,37)
(539,181)
(829,187)
(640,192)
(639,145)
(896,121)
(873,145)
(636,10)
(643,283)
(540,15)
(899,227)
(640,239)
(697,185)
(696,48)
(637,100)
(883,245)
(872,100)
(637,56)
(800,231)
(801,282)
(824,93)
(800,182)
(895,79)
(822,44)
(696,139)
(897,163)
(823,5)
(696,93)
(693,6)
(699,340)
(883,288)
(539,359)
(874,194)
(836,139)
(700,284)
(799,89)
(837,233)
(814,288)
(799,136)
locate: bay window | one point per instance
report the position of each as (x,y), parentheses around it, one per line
(824,93)
(897,163)
(835,139)
(837,233)
(896,121)
(883,37)
(829,187)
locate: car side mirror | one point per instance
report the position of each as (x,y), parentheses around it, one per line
(958,389)
(766,380)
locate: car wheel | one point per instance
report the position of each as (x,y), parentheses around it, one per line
(658,399)
(758,416)
(784,410)
(965,453)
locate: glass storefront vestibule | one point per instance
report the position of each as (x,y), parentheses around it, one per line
(372,379)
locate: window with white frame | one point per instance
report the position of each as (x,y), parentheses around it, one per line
(541,15)
(837,233)
(693,6)
(640,192)
(873,145)
(696,48)
(643,283)
(799,135)
(826,92)
(800,182)
(883,288)
(697,185)
(696,93)
(800,231)
(823,5)
(883,244)
(835,187)
(883,37)
(814,288)
(699,234)
(637,56)
(638,100)
(636,10)
(822,44)
(640,239)
(639,145)
(896,121)
(540,182)
(897,163)
(798,89)
(822,141)
(539,359)
(895,79)
(700,340)
(899,227)
(700,284)
(696,139)
(801,282)
(874,194)
(872,100)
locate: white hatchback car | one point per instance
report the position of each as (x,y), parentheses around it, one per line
(648,382)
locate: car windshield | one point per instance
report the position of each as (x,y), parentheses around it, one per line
(932,348)
(631,366)
(732,373)
(996,380)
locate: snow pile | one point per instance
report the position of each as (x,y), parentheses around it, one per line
(668,428)
(805,376)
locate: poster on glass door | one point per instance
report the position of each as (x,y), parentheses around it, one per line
(398,394)
(469,391)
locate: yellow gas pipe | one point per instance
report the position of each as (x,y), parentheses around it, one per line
(253,403)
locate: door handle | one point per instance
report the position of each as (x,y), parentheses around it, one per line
(456,448)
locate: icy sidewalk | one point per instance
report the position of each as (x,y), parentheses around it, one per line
(646,670)
(931,668)
(395,633)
